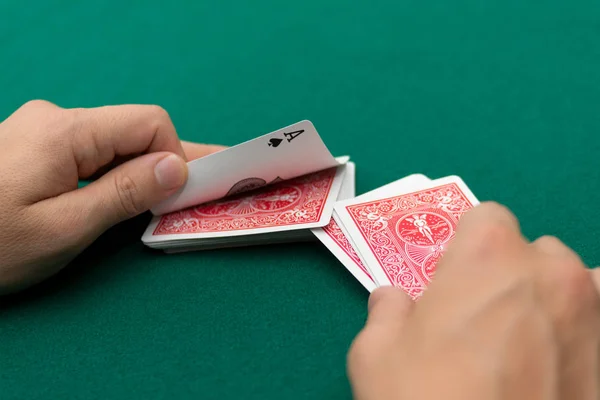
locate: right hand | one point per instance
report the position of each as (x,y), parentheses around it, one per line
(503,319)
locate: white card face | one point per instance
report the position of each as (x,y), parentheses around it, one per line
(341,246)
(302,203)
(401,233)
(281,155)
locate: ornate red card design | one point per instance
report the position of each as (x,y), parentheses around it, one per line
(407,234)
(336,234)
(297,201)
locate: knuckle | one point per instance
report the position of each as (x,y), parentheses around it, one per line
(159,114)
(127,196)
(496,210)
(572,287)
(490,224)
(553,246)
(158,119)
(53,122)
(574,277)
(38,104)
(494,233)
(550,241)
(488,213)
(45,111)
(566,281)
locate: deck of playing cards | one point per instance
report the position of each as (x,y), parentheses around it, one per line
(274,188)
(286,186)
(395,235)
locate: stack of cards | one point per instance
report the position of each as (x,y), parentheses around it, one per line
(395,235)
(274,188)
(286,186)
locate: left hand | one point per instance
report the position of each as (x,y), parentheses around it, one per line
(45,150)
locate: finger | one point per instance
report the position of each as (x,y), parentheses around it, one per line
(562,267)
(197,150)
(553,247)
(192,151)
(485,231)
(124,192)
(388,308)
(101,134)
(595,272)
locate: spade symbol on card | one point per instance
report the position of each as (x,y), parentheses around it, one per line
(275,142)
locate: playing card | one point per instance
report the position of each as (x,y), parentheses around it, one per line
(287,153)
(401,237)
(335,240)
(301,203)
(401,185)
(333,237)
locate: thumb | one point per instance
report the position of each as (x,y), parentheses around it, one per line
(75,219)
(389,307)
(128,190)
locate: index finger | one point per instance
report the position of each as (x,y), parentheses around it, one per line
(198,150)
(489,230)
(103,133)
(482,261)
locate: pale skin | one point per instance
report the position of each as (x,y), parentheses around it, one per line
(132,150)
(503,319)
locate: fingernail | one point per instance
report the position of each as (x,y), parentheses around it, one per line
(170,172)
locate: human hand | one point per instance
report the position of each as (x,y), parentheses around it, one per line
(503,319)
(46,220)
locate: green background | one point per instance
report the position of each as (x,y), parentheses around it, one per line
(505,93)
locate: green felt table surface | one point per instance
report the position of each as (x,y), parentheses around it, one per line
(504,93)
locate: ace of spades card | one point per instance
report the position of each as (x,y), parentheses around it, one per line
(281,155)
